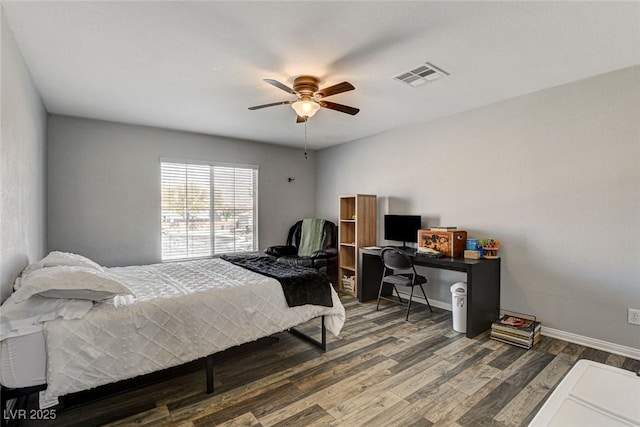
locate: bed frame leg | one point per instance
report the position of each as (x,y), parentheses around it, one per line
(322,345)
(324,336)
(21,395)
(209,374)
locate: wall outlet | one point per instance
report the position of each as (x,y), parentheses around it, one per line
(633,316)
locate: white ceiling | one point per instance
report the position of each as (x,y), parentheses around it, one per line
(197,66)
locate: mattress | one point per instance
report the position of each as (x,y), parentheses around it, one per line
(183,311)
(23,361)
(593,394)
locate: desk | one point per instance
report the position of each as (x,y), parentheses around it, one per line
(483,283)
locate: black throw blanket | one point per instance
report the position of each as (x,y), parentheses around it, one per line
(301,285)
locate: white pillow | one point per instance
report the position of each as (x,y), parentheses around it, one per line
(26,317)
(57,258)
(70,282)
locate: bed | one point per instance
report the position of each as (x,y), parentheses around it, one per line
(182,311)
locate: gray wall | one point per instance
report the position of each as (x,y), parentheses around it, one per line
(554,175)
(22,165)
(104,186)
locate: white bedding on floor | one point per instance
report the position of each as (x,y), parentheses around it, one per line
(592,394)
(182,312)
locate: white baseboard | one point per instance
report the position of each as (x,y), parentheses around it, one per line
(434,302)
(609,347)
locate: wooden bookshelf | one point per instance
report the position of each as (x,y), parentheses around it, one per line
(357,229)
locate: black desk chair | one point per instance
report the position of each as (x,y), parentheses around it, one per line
(395,259)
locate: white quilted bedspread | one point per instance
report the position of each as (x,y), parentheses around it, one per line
(182,312)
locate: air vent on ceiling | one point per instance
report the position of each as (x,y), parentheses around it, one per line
(423,73)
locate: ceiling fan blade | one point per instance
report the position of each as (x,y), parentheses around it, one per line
(301,119)
(339,107)
(335,89)
(257,107)
(280,86)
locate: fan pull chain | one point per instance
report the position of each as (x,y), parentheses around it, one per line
(305,137)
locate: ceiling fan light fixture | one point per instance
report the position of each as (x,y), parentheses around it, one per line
(310,98)
(305,107)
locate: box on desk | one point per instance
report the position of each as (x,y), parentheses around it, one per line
(450,243)
(472,254)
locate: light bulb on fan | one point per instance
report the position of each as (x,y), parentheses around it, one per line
(305,106)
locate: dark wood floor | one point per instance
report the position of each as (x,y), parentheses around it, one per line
(381,371)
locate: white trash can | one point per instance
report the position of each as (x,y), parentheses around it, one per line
(459,306)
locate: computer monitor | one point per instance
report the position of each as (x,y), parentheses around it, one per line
(402,228)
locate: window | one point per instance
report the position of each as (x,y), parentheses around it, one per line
(208,209)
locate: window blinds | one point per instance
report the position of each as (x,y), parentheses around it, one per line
(207,209)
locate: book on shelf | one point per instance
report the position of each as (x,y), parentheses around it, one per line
(443,228)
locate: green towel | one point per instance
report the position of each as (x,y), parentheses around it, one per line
(311,237)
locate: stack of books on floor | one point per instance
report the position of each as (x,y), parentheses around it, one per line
(517,329)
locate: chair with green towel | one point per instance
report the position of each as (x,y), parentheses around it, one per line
(311,243)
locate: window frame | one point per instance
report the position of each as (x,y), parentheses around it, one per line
(213,164)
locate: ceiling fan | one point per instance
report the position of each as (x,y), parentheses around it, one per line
(310,98)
